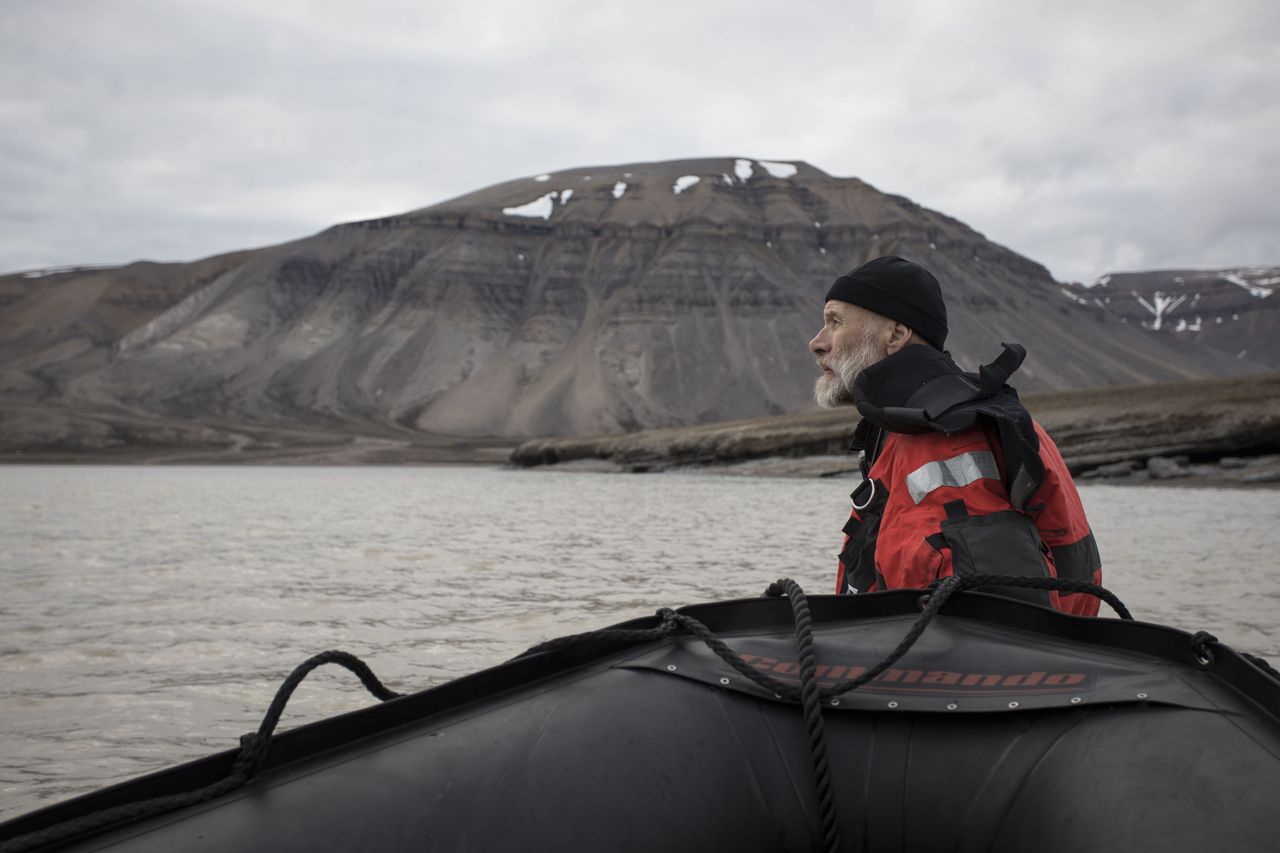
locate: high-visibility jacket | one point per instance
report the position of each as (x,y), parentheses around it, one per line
(958,479)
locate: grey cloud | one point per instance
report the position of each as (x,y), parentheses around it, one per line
(1086,136)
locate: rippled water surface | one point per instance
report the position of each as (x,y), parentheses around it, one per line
(148,614)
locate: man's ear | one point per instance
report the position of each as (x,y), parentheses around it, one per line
(899,337)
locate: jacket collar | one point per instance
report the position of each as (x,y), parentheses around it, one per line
(920,389)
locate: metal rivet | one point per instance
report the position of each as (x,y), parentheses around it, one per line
(1013,704)
(1075,700)
(893,704)
(724,681)
(835,702)
(671,667)
(1142,696)
(952,706)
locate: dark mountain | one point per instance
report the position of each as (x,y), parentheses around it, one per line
(591,300)
(1233,311)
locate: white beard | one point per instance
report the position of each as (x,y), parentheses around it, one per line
(835,389)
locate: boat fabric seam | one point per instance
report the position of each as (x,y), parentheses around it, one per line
(1074,721)
(782,758)
(753,776)
(979,795)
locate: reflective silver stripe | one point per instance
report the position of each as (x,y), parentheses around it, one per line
(957,471)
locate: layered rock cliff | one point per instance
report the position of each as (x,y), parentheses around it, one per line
(591,300)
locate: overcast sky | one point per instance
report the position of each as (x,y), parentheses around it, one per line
(1091,137)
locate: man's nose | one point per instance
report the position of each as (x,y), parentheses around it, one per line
(818,346)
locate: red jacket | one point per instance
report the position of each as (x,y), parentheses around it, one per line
(934,501)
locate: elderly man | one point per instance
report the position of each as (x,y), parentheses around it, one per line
(957,477)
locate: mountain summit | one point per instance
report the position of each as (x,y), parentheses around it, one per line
(591,300)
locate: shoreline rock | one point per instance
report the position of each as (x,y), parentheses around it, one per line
(1167,433)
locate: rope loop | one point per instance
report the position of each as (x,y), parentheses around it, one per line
(1058,584)
(253,751)
(668,624)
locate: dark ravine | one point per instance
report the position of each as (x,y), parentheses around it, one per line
(1208,432)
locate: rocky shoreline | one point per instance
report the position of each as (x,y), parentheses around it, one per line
(1222,432)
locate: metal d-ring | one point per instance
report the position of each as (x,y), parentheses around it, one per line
(1200,648)
(870,497)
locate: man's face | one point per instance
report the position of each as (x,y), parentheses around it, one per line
(849,342)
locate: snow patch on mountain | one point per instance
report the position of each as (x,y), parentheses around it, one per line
(683,183)
(1160,305)
(778,169)
(1254,288)
(539,208)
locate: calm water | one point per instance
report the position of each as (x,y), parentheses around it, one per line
(148,614)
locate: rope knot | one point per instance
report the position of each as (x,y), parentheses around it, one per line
(1200,641)
(778,588)
(253,749)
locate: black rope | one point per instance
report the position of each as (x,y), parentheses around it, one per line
(253,751)
(1199,640)
(253,747)
(1261,664)
(1058,584)
(811,700)
(668,625)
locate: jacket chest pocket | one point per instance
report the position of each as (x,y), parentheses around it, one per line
(859,553)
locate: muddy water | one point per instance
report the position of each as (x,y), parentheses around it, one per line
(148,614)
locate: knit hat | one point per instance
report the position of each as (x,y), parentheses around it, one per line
(897,289)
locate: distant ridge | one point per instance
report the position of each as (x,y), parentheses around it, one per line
(1235,311)
(589,300)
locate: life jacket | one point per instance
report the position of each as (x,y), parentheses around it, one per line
(959,479)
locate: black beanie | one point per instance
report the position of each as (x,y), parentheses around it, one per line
(900,290)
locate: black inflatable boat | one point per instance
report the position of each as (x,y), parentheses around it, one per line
(1000,726)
